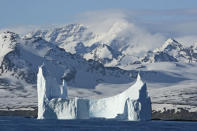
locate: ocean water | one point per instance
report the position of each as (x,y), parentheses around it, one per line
(32,124)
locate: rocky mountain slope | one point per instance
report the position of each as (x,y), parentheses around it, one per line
(24,55)
(77,39)
(172,51)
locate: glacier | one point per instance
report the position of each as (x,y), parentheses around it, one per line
(133,104)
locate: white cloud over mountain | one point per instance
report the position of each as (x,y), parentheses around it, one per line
(145,29)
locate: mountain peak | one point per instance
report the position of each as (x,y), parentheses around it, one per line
(172,51)
(8,41)
(9,36)
(169,45)
(9,33)
(170,40)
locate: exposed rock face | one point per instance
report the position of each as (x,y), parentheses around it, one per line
(133,104)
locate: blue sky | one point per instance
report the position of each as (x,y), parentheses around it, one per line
(41,12)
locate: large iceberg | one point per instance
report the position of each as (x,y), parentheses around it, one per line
(133,104)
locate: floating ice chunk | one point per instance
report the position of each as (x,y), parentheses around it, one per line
(132,104)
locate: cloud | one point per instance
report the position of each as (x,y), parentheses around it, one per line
(187,40)
(146,28)
(101,21)
(171,23)
(122,26)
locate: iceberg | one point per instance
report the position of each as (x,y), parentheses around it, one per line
(133,104)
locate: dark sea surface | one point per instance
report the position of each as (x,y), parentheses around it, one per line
(32,124)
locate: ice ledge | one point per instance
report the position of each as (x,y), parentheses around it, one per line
(53,103)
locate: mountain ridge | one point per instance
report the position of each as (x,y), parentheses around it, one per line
(116,51)
(171,51)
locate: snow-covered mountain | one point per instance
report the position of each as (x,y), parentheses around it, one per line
(77,39)
(172,51)
(115,51)
(7,43)
(24,55)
